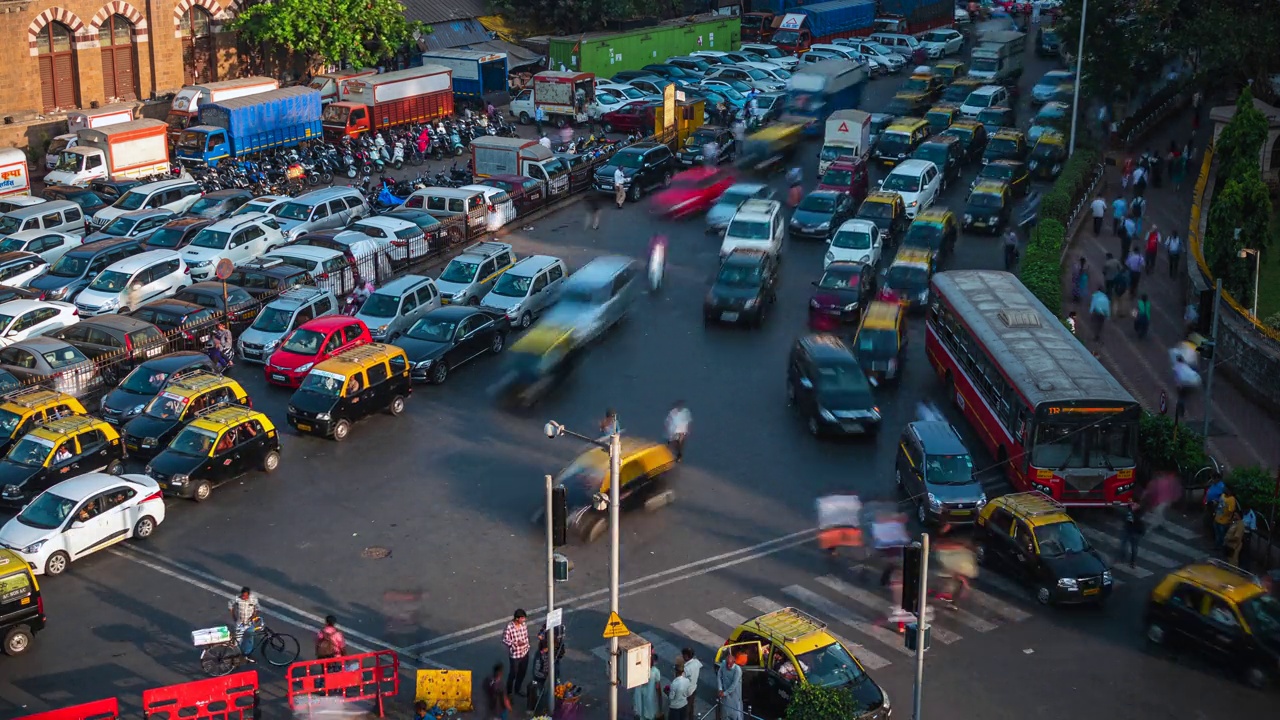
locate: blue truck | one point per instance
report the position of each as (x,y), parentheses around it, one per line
(823,22)
(478,77)
(819,89)
(234,128)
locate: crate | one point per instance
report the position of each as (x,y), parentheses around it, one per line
(445,688)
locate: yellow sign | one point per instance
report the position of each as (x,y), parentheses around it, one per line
(614,628)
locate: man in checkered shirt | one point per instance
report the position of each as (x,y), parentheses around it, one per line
(516,638)
(244,613)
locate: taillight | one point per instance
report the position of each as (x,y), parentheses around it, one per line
(128,344)
(157,495)
(74,311)
(40,606)
(186,269)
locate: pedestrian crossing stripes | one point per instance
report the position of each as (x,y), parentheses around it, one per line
(727,616)
(1155,558)
(697,633)
(859,594)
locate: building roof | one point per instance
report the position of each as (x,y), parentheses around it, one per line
(438,11)
(454,33)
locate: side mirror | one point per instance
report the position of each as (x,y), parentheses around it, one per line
(880,182)
(814,283)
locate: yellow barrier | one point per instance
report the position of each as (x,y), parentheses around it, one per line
(444,688)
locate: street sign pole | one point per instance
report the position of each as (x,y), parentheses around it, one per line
(551,607)
(922,623)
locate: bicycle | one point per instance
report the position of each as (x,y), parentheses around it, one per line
(222,658)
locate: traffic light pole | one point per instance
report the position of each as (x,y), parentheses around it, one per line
(615,473)
(922,623)
(551,605)
(1208,380)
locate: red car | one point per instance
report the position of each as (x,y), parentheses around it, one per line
(640,116)
(849,176)
(693,191)
(313,342)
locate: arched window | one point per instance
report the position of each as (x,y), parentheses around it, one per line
(57,67)
(199,55)
(119,59)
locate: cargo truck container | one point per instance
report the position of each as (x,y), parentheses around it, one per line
(368,104)
(607,54)
(848,134)
(234,128)
(824,22)
(327,83)
(135,149)
(85,120)
(998,57)
(565,97)
(478,77)
(492,155)
(185,108)
(15,177)
(912,17)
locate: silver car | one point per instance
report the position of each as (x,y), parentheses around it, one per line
(469,276)
(719,215)
(597,297)
(526,290)
(279,317)
(396,306)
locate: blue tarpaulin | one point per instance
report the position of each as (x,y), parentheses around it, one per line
(838,17)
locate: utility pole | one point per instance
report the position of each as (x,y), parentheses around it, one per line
(1213,340)
(922,624)
(615,481)
(551,605)
(1075,100)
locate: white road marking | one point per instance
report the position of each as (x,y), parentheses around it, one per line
(858,594)
(996,605)
(1144,554)
(763,604)
(847,617)
(1156,538)
(1179,531)
(1120,567)
(698,634)
(727,616)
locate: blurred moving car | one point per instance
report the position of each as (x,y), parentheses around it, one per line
(693,191)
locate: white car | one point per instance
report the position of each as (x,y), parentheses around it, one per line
(48,244)
(944,40)
(757,225)
(623,91)
(983,98)
(854,241)
(758,79)
(775,72)
(263,204)
(606,102)
(21,319)
(962,16)
(917,181)
(19,268)
(500,209)
(81,516)
(881,54)
(238,239)
(773,54)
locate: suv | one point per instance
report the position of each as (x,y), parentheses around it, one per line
(178,404)
(188,325)
(279,317)
(757,225)
(469,276)
(331,207)
(645,165)
(1030,534)
(826,385)
(265,278)
(935,470)
(393,308)
(56,451)
(118,340)
(22,410)
(946,152)
(238,239)
(987,96)
(917,181)
(176,195)
(137,224)
(743,289)
(74,270)
(175,234)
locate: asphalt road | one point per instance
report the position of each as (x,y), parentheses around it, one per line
(415,532)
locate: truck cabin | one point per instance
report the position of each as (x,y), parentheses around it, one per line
(891,24)
(344,119)
(181,114)
(79,159)
(327,83)
(792,41)
(202,144)
(757,26)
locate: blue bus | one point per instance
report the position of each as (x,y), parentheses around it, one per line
(817,90)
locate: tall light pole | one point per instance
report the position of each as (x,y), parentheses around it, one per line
(611,442)
(1075,95)
(551,602)
(1257,267)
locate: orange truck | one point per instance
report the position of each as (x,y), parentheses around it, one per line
(371,103)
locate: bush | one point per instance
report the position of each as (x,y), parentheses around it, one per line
(1255,487)
(814,702)
(1068,189)
(1041,267)
(1162,447)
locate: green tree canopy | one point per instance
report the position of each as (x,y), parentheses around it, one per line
(359,33)
(579,16)
(1244,203)
(815,702)
(1240,143)
(1124,46)
(1233,40)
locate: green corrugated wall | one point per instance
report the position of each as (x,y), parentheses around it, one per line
(634,49)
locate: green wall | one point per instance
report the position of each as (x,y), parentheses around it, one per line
(633,49)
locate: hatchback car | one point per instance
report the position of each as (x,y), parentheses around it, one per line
(89,201)
(313,342)
(840,296)
(22,319)
(596,297)
(696,143)
(393,308)
(138,224)
(855,241)
(130,283)
(189,326)
(719,215)
(818,214)
(79,266)
(175,234)
(633,117)
(48,244)
(117,341)
(693,191)
(756,225)
(236,305)
(236,239)
(180,402)
(262,203)
(41,358)
(881,342)
(218,204)
(987,96)
(828,389)
(218,447)
(81,516)
(918,182)
(20,268)
(60,449)
(139,387)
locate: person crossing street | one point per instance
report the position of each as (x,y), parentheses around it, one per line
(677,428)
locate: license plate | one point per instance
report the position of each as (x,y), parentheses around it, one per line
(131,446)
(278,377)
(979,224)
(163,486)
(729,316)
(687,162)
(112,420)
(1091,591)
(960,513)
(853,427)
(304,427)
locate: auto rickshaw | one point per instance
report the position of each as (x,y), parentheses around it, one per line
(1048,156)
(771,149)
(537,364)
(646,469)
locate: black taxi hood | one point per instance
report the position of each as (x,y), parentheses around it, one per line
(145,426)
(12,473)
(313,402)
(1075,565)
(868,694)
(121,399)
(169,463)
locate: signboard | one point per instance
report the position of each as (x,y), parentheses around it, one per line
(791,21)
(555,618)
(669,107)
(614,627)
(224,269)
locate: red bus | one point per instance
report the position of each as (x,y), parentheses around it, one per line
(1050,414)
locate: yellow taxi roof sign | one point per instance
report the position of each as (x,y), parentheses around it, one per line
(614,627)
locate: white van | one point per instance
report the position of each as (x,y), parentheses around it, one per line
(176,195)
(238,239)
(62,216)
(131,283)
(905,45)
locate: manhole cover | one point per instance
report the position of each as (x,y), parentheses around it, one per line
(376,553)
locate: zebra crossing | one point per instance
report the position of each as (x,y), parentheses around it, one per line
(857,614)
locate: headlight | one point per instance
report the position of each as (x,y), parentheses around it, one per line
(200,263)
(1106,577)
(923,295)
(271,345)
(179,479)
(1068,584)
(35,546)
(135,409)
(851,307)
(113,302)
(323,417)
(831,257)
(102,404)
(824,226)
(422,365)
(968,218)
(381,329)
(1057,167)
(826,415)
(57,294)
(815,304)
(291,409)
(751,303)
(149,442)
(913,203)
(11,489)
(934,502)
(893,368)
(305,368)
(982,500)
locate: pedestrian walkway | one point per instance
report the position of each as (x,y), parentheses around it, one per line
(1242,433)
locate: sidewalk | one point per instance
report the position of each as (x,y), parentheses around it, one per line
(1241,433)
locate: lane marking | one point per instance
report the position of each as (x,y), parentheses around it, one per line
(877,602)
(698,634)
(727,616)
(1120,567)
(1182,548)
(995,604)
(855,593)
(1116,543)
(846,617)
(1177,530)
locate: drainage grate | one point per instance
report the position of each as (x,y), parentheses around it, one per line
(376,552)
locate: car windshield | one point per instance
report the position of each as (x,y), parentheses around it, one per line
(907,277)
(737,275)
(166,407)
(963,133)
(748,229)
(292,211)
(841,378)
(829,666)
(144,380)
(852,240)
(31,451)
(838,178)
(513,286)
(272,320)
(323,383)
(252,207)
(4,321)
(194,441)
(900,107)
(949,469)
(879,210)
(996,172)
(630,160)
(839,279)
(729,91)
(210,238)
(130,201)
(9,225)
(47,512)
(933,153)
(1262,612)
(735,197)
(895,142)
(1002,146)
(110,281)
(924,235)
(69,266)
(304,342)
(818,203)
(380,306)
(8,423)
(432,329)
(1104,443)
(1045,151)
(459,271)
(205,203)
(998,118)
(917,85)
(956,93)
(165,237)
(1060,538)
(986,201)
(13,245)
(119,227)
(901,182)
(786,37)
(768,52)
(877,343)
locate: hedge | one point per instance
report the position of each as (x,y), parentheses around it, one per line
(1254,487)
(1166,447)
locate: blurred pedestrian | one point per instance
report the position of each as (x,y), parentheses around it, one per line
(619,187)
(566,137)
(1010,249)
(592,219)
(1185,381)
(1111,269)
(1099,208)
(795,186)
(1079,280)
(1196,99)
(1134,264)
(539,117)
(1233,538)
(1128,228)
(1133,531)
(516,638)
(1153,248)
(1173,248)
(1142,316)
(646,700)
(1162,491)
(1120,303)
(677,428)
(497,698)
(1118,208)
(1099,311)
(1227,510)
(1139,181)
(1071,321)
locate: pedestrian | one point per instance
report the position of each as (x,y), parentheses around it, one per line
(1071,321)
(1173,248)
(1099,310)
(1118,208)
(711,153)
(592,219)
(619,187)
(1185,380)
(1099,207)
(1134,527)
(539,117)
(1134,264)
(646,700)
(420,711)
(1228,508)
(491,112)
(1155,170)
(330,642)
(795,185)
(1196,99)
(516,638)
(1142,316)
(1010,249)
(678,694)
(1139,181)
(1233,538)
(1153,246)
(497,698)
(692,669)
(1119,304)
(1111,269)
(566,137)
(1080,280)
(729,686)
(1128,230)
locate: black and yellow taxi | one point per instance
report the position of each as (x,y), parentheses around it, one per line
(997,118)
(926,83)
(950,71)
(58,450)
(1014,172)
(908,104)
(21,410)
(349,386)
(177,405)
(989,207)
(881,341)
(908,276)
(538,363)
(787,647)
(21,607)
(973,138)
(646,468)
(946,153)
(220,445)
(900,139)
(1048,156)
(940,117)
(1222,613)
(1006,144)
(888,211)
(1031,535)
(935,230)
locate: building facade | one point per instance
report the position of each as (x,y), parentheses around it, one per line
(59,55)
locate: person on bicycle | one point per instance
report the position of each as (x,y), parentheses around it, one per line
(244,613)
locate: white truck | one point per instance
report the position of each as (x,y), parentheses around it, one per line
(85,120)
(185,108)
(999,56)
(848,133)
(129,150)
(15,177)
(493,156)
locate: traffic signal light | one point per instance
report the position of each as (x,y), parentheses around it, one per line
(559,516)
(912,558)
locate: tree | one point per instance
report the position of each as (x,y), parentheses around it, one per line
(578,16)
(1123,49)
(1244,53)
(815,702)
(1243,204)
(1240,143)
(359,33)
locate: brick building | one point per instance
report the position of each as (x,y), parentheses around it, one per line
(64,54)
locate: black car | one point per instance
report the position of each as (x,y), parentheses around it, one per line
(9,292)
(944,151)
(216,448)
(111,190)
(238,305)
(448,337)
(219,203)
(266,278)
(645,165)
(188,325)
(116,342)
(1048,43)
(691,153)
(146,381)
(438,235)
(827,387)
(32,465)
(89,201)
(972,136)
(73,272)
(839,298)
(819,214)
(175,234)
(744,287)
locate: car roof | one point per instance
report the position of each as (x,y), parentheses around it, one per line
(911,166)
(82,486)
(143,259)
(173,361)
(310,252)
(101,246)
(173,306)
(825,346)
(404,283)
(934,215)
(990,185)
(328,322)
(913,256)
(17,255)
(39,343)
(387,221)
(1034,507)
(297,296)
(882,313)
(798,631)
(17,307)
(602,268)
(122,322)
(217,419)
(759,207)
(452,312)
(228,193)
(745,256)
(938,437)
(532,265)
(1229,581)
(485,249)
(234,221)
(989,89)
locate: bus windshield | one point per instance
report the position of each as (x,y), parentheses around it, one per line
(1064,444)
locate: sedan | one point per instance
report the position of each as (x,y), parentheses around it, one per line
(236,304)
(134,224)
(48,244)
(39,358)
(449,337)
(638,116)
(19,268)
(819,213)
(219,203)
(22,319)
(139,387)
(81,516)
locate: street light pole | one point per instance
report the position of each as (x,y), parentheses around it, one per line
(1075,100)
(615,475)
(551,606)
(922,623)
